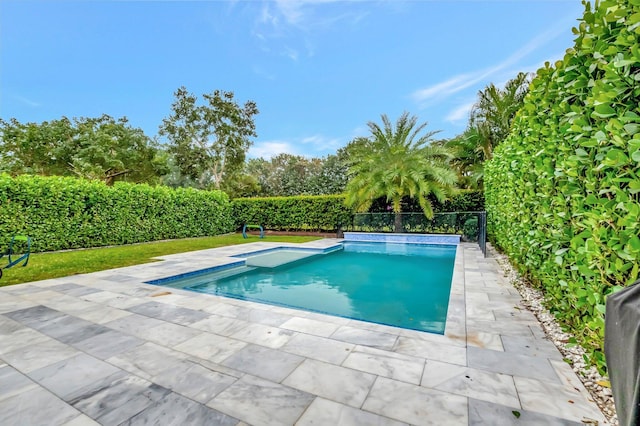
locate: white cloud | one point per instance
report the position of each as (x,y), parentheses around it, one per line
(260,71)
(266,17)
(296,12)
(309,146)
(288,25)
(268,149)
(322,145)
(447,87)
(291,53)
(460,82)
(460,113)
(27,101)
(318,140)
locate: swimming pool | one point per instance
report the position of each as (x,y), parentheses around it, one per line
(403,285)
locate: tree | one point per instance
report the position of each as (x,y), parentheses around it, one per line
(492,114)
(331,177)
(241,186)
(489,124)
(107,149)
(395,163)
(209,141)
(468,150)
(34,148)
(94,148)
(287,175)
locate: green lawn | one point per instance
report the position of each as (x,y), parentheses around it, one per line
(61,264)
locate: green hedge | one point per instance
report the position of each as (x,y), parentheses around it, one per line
(312,213)
(562,192)
(463,201)
(327,212)
(65,213)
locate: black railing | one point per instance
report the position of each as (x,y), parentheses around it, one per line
(472,226)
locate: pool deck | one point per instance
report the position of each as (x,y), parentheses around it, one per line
(105,348)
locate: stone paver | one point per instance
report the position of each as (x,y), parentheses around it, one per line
(76,376)
(340,384)
(35,407)
(327,350)
(482,413)
(194,381)
(325,412)
(126,397)
(465,381)
(106,348)
(414,404)
(263,362)
(387,364)
(174,409)
(262,402)
(511,363)
(105,345)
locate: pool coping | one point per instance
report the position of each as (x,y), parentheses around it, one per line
(270,364)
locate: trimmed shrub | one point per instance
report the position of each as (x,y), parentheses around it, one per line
(327,212)
(65,213)
(562,191)
(464,201)
(470,229)
(309,213)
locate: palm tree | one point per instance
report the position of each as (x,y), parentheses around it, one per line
(489,124)
(469,151)
(397,163)
(496,108)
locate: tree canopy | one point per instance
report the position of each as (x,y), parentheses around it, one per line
(287,174)
(95,148)
(209,140)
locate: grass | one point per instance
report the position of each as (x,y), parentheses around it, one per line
(44,266)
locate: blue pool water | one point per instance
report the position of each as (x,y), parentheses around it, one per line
(404,285)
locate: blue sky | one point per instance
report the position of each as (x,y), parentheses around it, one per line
(318,70)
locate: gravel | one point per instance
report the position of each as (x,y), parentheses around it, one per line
(533,300)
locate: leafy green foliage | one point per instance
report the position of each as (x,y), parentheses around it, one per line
(470,228)
(489,124)
(399,162)
(94,148)
(462,201)
(328,213)
(63,213)
(286,175)
(317,213)
(493,113)
(210,140)
(562,191)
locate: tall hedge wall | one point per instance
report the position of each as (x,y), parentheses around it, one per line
(313,213)
(327,212)
(464,201)
(562,192)
(64,213)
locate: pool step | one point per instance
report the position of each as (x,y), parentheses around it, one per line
(279,258)
(206,278)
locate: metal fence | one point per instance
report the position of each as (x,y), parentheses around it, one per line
(472,226)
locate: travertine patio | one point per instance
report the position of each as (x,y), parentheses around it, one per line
(107,348)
